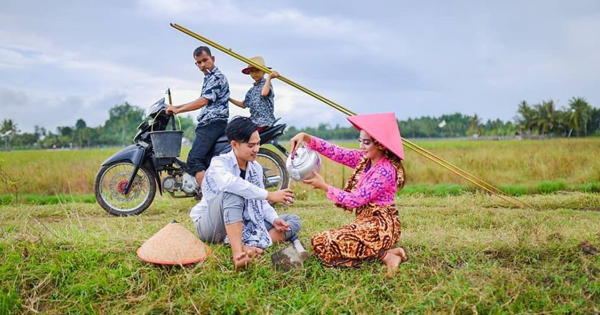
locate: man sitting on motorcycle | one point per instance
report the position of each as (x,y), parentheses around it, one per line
(213,119)
(235,206)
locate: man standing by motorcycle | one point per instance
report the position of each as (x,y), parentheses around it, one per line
(213,119)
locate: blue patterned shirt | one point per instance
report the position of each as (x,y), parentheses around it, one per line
(261,108)
(216,90)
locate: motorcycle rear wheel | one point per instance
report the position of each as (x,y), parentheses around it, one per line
(275,175)
(109,186)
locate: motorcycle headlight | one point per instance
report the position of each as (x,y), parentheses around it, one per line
(156,107)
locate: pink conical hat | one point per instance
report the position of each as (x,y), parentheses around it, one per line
(383,128)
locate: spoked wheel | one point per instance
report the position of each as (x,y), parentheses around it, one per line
(276,176)
(110,184)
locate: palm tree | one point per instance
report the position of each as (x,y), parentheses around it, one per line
(527,118)
(562,122)
(475,126)
(8,130)
(547,117)
(580,114)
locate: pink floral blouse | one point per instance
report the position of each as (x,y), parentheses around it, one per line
(377,185)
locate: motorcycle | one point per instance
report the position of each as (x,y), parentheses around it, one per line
(126,183)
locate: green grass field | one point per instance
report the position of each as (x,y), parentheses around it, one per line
(470,253)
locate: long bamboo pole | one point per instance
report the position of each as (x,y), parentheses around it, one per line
(434,158)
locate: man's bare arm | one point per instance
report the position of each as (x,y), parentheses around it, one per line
(193,105)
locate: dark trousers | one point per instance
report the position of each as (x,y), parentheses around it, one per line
(206,136)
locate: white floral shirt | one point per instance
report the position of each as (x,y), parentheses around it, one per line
(223,175)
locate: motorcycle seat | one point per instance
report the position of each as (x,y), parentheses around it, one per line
(265,136)
(272,132)
(222,139)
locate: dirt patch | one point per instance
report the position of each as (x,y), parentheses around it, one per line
(588,248)
(51,219)
(555,237)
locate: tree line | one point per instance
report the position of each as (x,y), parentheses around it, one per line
(543,119)
(118,130)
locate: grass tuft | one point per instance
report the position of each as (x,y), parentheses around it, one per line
(590,187)
(514,190)
(548,187)
(38,199)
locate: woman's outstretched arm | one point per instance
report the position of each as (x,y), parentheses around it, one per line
(348,157)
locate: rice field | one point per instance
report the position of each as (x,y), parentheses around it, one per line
(519,166)
(469,253)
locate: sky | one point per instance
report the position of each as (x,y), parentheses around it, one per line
(65,60)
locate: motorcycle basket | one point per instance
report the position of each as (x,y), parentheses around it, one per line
(167,143)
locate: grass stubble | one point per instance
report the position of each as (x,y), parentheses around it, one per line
(468,254)
(60,253)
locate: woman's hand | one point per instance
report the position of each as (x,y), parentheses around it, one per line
(317,182)
(297,140)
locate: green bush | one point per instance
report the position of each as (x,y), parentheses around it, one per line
(548,187)
(434,190)
(6,199)
(590,187)
(514,190)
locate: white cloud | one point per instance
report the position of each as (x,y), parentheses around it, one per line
(135,85)
(417,59)
(29,108)
(360,33)
(292,106)
(295,106)
(204,10)
(12,59)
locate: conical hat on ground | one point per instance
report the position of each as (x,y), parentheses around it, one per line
(173,245)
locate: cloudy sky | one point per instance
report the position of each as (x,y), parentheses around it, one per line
(70,59)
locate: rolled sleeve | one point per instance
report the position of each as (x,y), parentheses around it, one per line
(226,181)
(247,100)
(269,212)
(210,93)
(380,181)
(348,157)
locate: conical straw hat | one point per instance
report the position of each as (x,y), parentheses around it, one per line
(173,245)
(259,60)
(382,127)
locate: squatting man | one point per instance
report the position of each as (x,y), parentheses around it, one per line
(235,205)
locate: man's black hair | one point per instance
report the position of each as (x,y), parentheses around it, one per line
(199,51)
(240,129)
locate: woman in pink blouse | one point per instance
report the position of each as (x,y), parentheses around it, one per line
(370,190)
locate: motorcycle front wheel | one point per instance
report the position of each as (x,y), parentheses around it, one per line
(110,183)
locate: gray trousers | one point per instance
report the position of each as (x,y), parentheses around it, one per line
(227,208)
